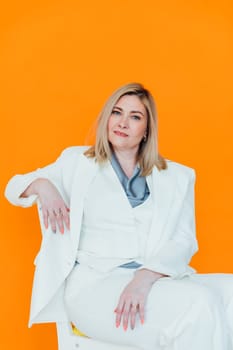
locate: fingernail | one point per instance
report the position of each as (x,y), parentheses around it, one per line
(117,324)
(142,321)
(62,230)
(125,328)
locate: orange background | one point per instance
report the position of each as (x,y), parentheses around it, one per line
(59,61)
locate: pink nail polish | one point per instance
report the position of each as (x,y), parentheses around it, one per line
(62,230)
(117,324)
(142,321)
(125,328)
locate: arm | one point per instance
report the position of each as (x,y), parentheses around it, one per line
(19,183)
(54,209)
(62,168)
(133,298)
(48,185)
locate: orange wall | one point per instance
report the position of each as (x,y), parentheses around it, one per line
(59,61)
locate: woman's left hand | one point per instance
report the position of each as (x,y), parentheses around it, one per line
(133,298)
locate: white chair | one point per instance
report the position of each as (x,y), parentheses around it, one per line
(69,341)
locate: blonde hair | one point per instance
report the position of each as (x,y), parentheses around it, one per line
(148,155)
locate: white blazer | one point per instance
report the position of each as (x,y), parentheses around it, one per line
(168,251)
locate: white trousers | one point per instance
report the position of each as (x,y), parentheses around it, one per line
(194,313)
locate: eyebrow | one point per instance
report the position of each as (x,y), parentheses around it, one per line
(130,111)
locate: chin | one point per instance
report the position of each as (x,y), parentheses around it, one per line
(119,143)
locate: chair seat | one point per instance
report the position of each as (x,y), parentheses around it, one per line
(83,343)
(67,340)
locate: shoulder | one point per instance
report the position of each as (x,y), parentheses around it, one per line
(73,158)
(72,154)
(179,174)
(74,151)
(180,169)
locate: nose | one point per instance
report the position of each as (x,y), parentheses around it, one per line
(123,122)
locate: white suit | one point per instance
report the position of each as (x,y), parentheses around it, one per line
(168,252)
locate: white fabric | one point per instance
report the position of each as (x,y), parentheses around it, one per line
(169,251)
(109,222)
(193,313)
(190,313)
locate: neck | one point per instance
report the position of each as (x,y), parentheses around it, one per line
(127,160)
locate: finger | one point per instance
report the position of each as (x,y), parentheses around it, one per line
(63,218)
(118,317)
(141,310)
(119,310)
(45,217)
(125,315)
(52,220)
(59,219)
(66,217)
(133,313)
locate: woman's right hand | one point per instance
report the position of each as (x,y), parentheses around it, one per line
(54,210)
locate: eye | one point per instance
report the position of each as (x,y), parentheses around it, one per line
(116,112)
(136,117)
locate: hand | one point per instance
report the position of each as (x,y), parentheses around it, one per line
(54,209)
(133,298)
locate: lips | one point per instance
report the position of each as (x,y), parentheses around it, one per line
(120,133)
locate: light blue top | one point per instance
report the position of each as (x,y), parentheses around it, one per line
(136,187)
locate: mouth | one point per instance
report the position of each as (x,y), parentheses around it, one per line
(119,133)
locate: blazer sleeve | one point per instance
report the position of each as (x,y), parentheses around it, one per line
(54,172)
(175,254)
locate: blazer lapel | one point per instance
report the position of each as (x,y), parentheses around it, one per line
(163,193)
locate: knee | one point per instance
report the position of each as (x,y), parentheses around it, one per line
(206,300)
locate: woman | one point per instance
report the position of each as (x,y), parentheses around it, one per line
(119,267)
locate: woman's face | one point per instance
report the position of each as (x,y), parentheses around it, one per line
(127,123)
